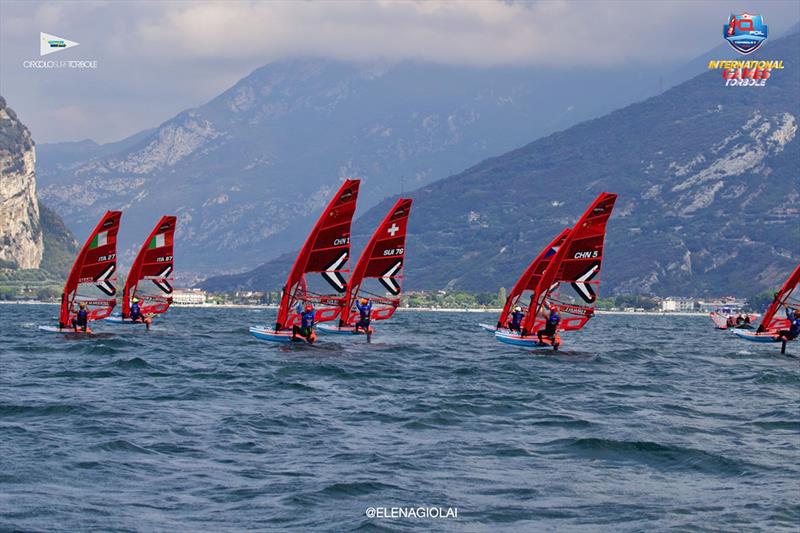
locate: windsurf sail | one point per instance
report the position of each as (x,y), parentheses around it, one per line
(150,276)
(571,279)
(381,260)
(93,274)
(788,297)
(325,252)
(530,278)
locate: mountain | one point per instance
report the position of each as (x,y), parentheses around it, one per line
(245,170)
(20,232)
(709,187)
(34,238)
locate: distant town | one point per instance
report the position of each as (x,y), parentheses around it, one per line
(440,299)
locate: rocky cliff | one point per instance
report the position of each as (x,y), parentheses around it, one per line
(21,238)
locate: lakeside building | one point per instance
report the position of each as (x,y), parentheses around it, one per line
(730,303)
(189,297)
(676,304)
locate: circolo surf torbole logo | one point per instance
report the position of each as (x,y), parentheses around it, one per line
(746,33)
(49,44)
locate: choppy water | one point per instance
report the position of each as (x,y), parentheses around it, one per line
(641,423)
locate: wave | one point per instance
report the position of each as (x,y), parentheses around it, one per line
(662,456)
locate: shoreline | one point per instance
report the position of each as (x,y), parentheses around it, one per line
(418,309)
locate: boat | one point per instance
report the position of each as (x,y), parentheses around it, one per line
(523,290)
(570,278)
(775,319)
(151,274)
(725,318)
(92,276)
(325,252)
(380,266)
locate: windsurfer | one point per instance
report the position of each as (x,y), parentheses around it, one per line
(81,320)
(794,325)
(136,313)
(364,307)
(515,324)
(550,326)
(306,327)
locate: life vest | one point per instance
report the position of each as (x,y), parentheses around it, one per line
(307,319)
(364,310)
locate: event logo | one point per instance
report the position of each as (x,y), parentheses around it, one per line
(49,44)
(53,43)
(745,32)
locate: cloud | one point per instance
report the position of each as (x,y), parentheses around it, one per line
(475,32)
(158,58)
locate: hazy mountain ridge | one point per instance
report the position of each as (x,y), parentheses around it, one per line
(709,196)
(243,169)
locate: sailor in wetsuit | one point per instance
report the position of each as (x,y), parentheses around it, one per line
(794,326)
(551,326)
(81,320)
(136,313)
(364,307)
(515,324)
(306,327)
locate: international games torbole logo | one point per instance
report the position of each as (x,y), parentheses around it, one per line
(745,32)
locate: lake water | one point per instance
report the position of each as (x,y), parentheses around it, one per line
(640,423)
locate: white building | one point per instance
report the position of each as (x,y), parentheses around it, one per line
(675,304)
(730,304)
(189,297)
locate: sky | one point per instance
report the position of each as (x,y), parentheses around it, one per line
(157,58)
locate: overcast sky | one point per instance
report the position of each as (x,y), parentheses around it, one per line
(158,58)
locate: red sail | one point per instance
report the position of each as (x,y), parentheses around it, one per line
(325,251)
(571,280)
(93,272)
(151,273)
(788,298)
(530,278)
(382,259)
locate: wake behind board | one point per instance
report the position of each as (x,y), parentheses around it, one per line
(56,329)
